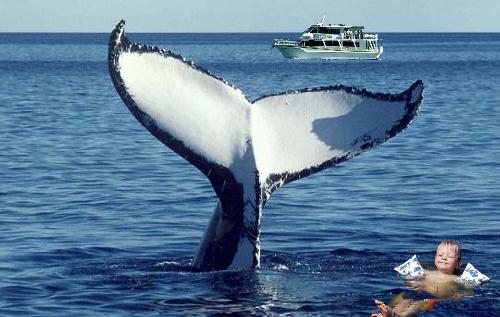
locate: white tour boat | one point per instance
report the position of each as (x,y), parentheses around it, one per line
(332,41)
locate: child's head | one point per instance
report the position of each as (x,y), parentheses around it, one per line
(448,257)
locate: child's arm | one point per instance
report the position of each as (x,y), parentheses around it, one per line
(415,284)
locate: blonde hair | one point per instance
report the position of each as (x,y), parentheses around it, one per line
(450,244)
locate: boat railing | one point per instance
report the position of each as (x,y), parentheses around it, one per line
(370,36)
(284,42)
(341,36)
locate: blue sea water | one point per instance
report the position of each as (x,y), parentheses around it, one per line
(98,218)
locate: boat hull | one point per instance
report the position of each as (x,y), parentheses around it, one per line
(295,52)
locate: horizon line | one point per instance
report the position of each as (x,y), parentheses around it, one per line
(226,32)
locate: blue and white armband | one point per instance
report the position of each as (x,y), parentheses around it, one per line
(472,277)
(411,269)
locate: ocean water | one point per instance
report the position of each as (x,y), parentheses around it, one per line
(98,218)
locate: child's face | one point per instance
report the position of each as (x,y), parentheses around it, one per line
(446,259)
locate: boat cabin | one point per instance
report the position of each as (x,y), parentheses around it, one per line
(338,35)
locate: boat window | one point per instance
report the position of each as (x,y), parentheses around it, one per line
(329,30)
(331,43)
(348,43)
(314,43)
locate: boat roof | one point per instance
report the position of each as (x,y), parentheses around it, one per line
(340,26)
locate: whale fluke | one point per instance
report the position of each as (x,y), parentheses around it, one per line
(248,149)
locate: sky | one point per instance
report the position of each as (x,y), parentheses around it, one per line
(248,16)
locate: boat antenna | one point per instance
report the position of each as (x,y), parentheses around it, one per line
(320,23)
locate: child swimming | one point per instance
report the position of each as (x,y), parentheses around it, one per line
(442,284)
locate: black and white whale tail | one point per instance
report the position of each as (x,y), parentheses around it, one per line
(247,149)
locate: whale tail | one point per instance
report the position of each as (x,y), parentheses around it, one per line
(248,149)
